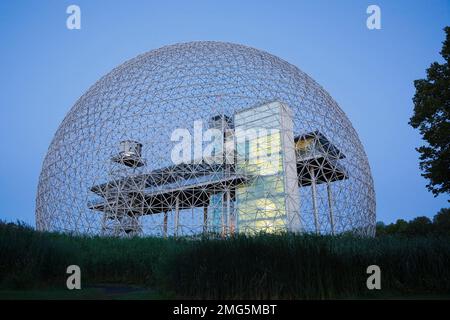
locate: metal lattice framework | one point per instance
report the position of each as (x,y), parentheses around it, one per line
(110,170)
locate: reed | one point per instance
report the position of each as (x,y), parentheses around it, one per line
(263,266)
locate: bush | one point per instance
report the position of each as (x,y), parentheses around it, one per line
(419,226)
(286,266)
(307,267)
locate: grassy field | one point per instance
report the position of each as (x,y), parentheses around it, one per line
(287,266)
(99,292)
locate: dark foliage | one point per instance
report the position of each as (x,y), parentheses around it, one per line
(420,226)
(262,266)
(432,118)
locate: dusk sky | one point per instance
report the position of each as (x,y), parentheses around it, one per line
(45,68)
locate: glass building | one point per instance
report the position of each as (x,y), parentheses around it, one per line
(265,152)
(287,157)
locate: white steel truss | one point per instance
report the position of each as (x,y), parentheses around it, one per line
(109,169)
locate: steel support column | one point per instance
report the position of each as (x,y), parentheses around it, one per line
(314,200)
(205,219)
(177,215)
(330,207)
(165,223)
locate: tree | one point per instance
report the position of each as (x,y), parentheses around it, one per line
(399,227)
(420,226)
(432,118)
(380,229)
(441,221)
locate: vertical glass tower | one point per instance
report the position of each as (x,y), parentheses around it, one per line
(138,107)
(269,202)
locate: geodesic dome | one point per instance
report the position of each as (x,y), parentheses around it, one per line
(110,168)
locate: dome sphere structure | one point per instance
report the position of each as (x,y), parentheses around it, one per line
(111,167)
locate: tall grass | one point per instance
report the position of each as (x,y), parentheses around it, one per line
(304,266)
(263,266)
(29,258)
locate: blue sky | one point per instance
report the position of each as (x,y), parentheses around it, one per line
(45,68)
